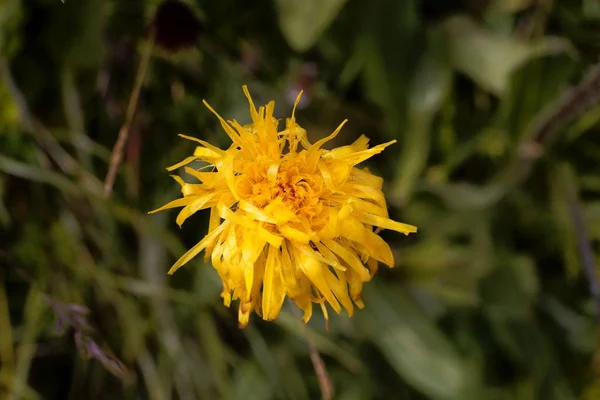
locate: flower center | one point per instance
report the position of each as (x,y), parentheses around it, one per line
(299,191)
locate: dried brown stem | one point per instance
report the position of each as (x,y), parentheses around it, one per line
(325,383)
(117,152)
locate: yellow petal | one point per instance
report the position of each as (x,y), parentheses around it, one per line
(360,156)
(207,178)
(305,303)
(252,247)
(355,286)
(349,257)
(373,266)
(227,168)
(326,175)
(273,288)
(193,189)
(330,230)
(326,139)
(314,152)
(197,204)
(184,201)
(294,234)
(182,163)
(364,206)
(373,244)
(178,180)
(256,213)
(280,212)
(363,177)
(287,271)
(209,146)
(368,193)
(244,313)
(359,144)
(253,113)
(340,288)
(235,138)
(386,223)
(329,257)
(191,253)
(313,269)
(269,237)
(235,217)
(206,154)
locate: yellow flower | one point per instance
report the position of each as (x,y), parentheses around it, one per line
(287,218)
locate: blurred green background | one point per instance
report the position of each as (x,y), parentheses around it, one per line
(493,104)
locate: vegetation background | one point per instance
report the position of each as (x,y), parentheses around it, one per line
(494,106)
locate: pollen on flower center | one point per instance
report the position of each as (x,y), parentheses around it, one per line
(299,192)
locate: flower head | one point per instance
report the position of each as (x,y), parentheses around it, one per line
(287,218)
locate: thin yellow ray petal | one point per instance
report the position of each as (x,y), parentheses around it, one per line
(326,175)
(207,178)
(199,203)
(244,312)
(386,223)
(227,168)
(296,102)
(255,212)
(235,138)
(325,315)
(373,244)
(253,113)
(360,156)
(349,257)
(329,257)
(326,139)
(257,284)
(359,145)
(235,217)
(330,230)
(280,212)
(252,246)
(294,234)
(355,286)
(191,253)
(216,256)
(214,220)
(362,143)
(182,202)
(247,137)
(273,290)
(269,237)
(373,265)
(270,107)
(313,269)
(365,206)
(179,180)
(316,255)
(287,273)
(305,304)
(368,193)
(209,146)
(362,177)
(206,154)
(182,163)
(340,288)
(193,190)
